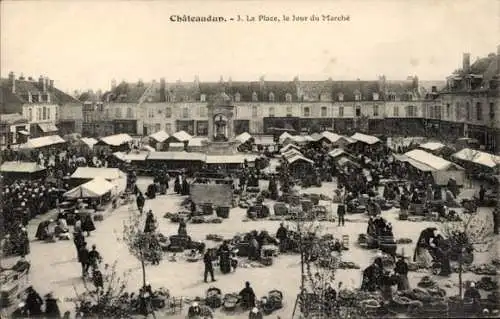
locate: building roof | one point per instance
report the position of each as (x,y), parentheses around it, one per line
(432,146)
(12,118)
(24,86)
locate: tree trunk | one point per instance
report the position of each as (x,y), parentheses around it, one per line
(143,266)
(460,271)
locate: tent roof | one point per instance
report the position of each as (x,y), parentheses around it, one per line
(478,157)
(182,136)
(94,172)
(264,140)
(43,141)
(196,141)
(291,153)
(94,188)
(131,156)
(21,167)
(432,146)
(435,163)
(177,156)
(243,137)
(287,147)
(89,141)
(298,157)
(284,136)
(225,159)
(337,152)
(116,140)
(160,136)
(368,139)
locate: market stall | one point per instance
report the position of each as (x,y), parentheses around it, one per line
(436,148)
(191,161)
(158,139)
(43,142)
(22,171)
(117,142)
(97,188)
(441,169)
(112,175)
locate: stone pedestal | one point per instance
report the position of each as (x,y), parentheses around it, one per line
(220,148)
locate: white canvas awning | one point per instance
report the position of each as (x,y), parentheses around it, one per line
(196,142)
(432,146)
(177,156)
(43,142)
(47,127)
(435,163)
(297,158)
(225,159)
(287,147)
(131,156)
(478,157)
(96,172)
(116,140)
(93,189)
(243,137)
(160,136)
(367,139)
(283,137)
(264,140)
(20,167)
(90,142)
(182,136)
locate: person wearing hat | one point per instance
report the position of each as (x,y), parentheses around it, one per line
(255,313)
(247,296)
(401,270)
(51,307)
(472,294)
(33,302)
(20,312)
(194,310)
(282,235)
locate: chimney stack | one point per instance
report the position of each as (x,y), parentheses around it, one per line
(12,79)
(51,84)
(113,84)
(163,96)
(41,83)
(466,63)
(434,89)
(21,77)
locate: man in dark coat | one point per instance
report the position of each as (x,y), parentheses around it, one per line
(401,269)
(83,258)
(341,214)
(140,202)
(94,257)
(282,235)
(372,276)
(33,302)
(209,267)
(150,225)
(496,220)
(482,193)
(247,296)
(51,307)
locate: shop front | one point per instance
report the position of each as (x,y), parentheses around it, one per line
(186,126)
(241,126)
(201,128)
(125,126)
(316,125)
(285,123)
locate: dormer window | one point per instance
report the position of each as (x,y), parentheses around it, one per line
(203,98)
(340,97)
(237,97)
(409,96)
(357,96)
(170,98)
(271,97)
(375,96)
(288,97)
(391,97)
(324,97)
(255,97)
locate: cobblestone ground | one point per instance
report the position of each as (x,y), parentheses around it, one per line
(55,267)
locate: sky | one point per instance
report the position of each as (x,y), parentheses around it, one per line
(84,45)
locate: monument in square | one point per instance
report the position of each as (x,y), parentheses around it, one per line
(220,111)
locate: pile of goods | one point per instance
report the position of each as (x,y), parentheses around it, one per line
(426,282)
(348,265)
(404,241)
(273,301)
(206,220)
(487,284)
(215,237)
(482,269)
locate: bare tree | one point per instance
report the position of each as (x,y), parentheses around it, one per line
(105,302)
(472,234)
(142,245)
